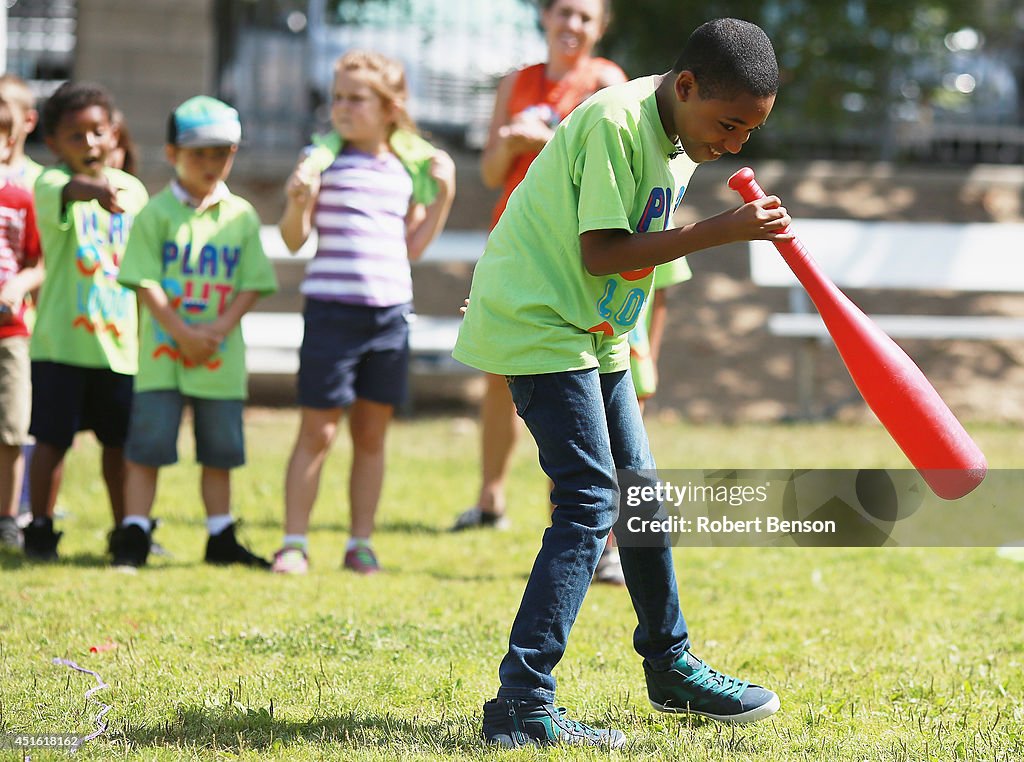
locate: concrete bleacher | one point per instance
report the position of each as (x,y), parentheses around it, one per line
(897,256)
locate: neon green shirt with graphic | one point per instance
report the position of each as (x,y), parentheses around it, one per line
(84,316)
(201,260)
(533,307)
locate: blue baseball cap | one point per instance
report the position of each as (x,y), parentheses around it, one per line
(204,121)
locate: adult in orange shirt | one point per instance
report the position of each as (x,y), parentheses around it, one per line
(529,104)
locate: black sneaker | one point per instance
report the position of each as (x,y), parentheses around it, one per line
(223,548)
(10,533)
(130,546)
(512,723)
(41,541)
(691,686)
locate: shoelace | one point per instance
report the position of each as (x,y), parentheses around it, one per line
(718,682)
(575,726)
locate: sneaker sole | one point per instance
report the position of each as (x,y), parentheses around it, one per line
(292,572)
(506,742)
(766,709)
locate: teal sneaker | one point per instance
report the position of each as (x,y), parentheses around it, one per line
(691,686)
(512,724)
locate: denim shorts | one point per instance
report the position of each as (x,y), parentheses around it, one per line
(67,399)
(351,351)
(156,417)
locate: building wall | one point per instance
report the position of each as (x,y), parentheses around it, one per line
(152,54)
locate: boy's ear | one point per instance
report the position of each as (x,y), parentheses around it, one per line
(171,153)
(685,86)
(31,120)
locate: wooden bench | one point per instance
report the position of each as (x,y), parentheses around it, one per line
(273,338)
(932,257)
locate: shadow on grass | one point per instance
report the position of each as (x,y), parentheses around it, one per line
(386,526)
(479,577)
(234,729)
(12,560)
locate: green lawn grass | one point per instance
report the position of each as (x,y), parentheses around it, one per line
(909,654)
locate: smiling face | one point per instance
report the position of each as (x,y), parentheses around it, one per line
(710,127)
(199,170)
(359,113)
(573,27)
(82,139)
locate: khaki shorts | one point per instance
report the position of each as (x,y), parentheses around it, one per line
(15,390)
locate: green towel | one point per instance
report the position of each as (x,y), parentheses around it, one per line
(414,152)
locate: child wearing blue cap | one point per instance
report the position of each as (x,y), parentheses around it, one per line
(197,265)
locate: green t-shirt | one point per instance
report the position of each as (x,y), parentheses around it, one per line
(671,273)
(533,307)
(201,260)
(641,363)
(84,316)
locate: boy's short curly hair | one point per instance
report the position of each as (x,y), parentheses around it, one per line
(74,96)
(729,57)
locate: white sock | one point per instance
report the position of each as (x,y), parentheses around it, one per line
(217,524)
(357,542)
(142,522)
(299,541)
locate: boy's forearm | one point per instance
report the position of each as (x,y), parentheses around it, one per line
(606,252)
(155,300)
(232,316)
(85,188)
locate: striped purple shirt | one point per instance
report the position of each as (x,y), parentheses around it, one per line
(361,256)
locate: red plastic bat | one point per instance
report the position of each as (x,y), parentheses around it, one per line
(890,382)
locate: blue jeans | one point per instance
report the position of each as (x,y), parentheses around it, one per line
(586,426)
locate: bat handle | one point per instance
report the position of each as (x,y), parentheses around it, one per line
(744,183)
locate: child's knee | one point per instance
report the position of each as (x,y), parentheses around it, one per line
(317,439)
(369,440)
